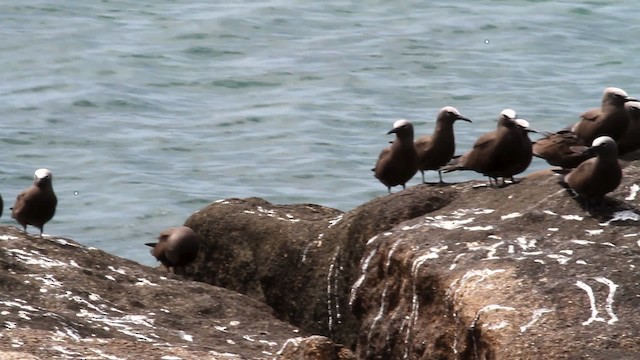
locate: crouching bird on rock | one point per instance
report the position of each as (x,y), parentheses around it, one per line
(176,246)
(595,177)
(399,162)
(37,204)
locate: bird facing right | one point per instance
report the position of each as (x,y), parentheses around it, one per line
(599,175)
(609,120)
(436,150)
(37,204)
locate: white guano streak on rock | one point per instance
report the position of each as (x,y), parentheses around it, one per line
(290,342)
(491,249)
(573,217)
(537,313)
(332,290)
(363,274)
(35,258)
(625,215)
(592,302)
(633,192)
(561,259)
(609,304)
(487,308)
(415,303)
(510,216)
(482,274)
(335,220)
(383,298)
(455,261)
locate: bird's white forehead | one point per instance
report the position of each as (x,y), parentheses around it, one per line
(510,113)
(450,109)
(400,123)
(42,173)
(602,139)
(522,123)
(615,90)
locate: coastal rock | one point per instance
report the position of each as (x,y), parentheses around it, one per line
(299,259)
(442,272)
(63,300)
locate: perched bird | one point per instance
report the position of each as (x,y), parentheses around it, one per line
(597,176)
(437,150)
(610,119)
(37,204)
(500,153)
(524,153)
(399,162)
(555,148)
(176,246)
(630,142)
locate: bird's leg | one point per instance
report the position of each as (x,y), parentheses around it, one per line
(440,176)
(404,187)
(389,189)
(422,172)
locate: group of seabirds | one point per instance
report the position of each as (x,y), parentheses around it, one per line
(36,205)
(587,152)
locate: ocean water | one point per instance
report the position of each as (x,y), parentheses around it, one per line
(147,111)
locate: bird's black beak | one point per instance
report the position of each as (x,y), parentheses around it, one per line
(628,98)
(151,244)
(463,118)
(392,131)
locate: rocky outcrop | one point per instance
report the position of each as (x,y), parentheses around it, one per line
(434,272)
(299,259)
(454,272)
(60,300)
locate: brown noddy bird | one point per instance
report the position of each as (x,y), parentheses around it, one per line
(399,162)
(436,150)
(37,204)
(597,176)
(500,153)
(176,246)
(524,153)
(556,149)
(610,119)
(629,143)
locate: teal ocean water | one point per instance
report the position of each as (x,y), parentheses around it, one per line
(147,111)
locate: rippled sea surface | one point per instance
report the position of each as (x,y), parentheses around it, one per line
(147,111)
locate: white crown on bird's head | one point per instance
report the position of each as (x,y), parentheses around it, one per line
(42,173)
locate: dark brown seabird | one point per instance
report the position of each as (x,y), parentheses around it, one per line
(399,162)
(629,143)
(500,153)
(597,176)
(555,148)
(37,204)
(436,150)
(610,119)
(176,246)
(523,153)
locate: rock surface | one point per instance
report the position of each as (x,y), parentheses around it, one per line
(434,272)
(60,300)
(441,272)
